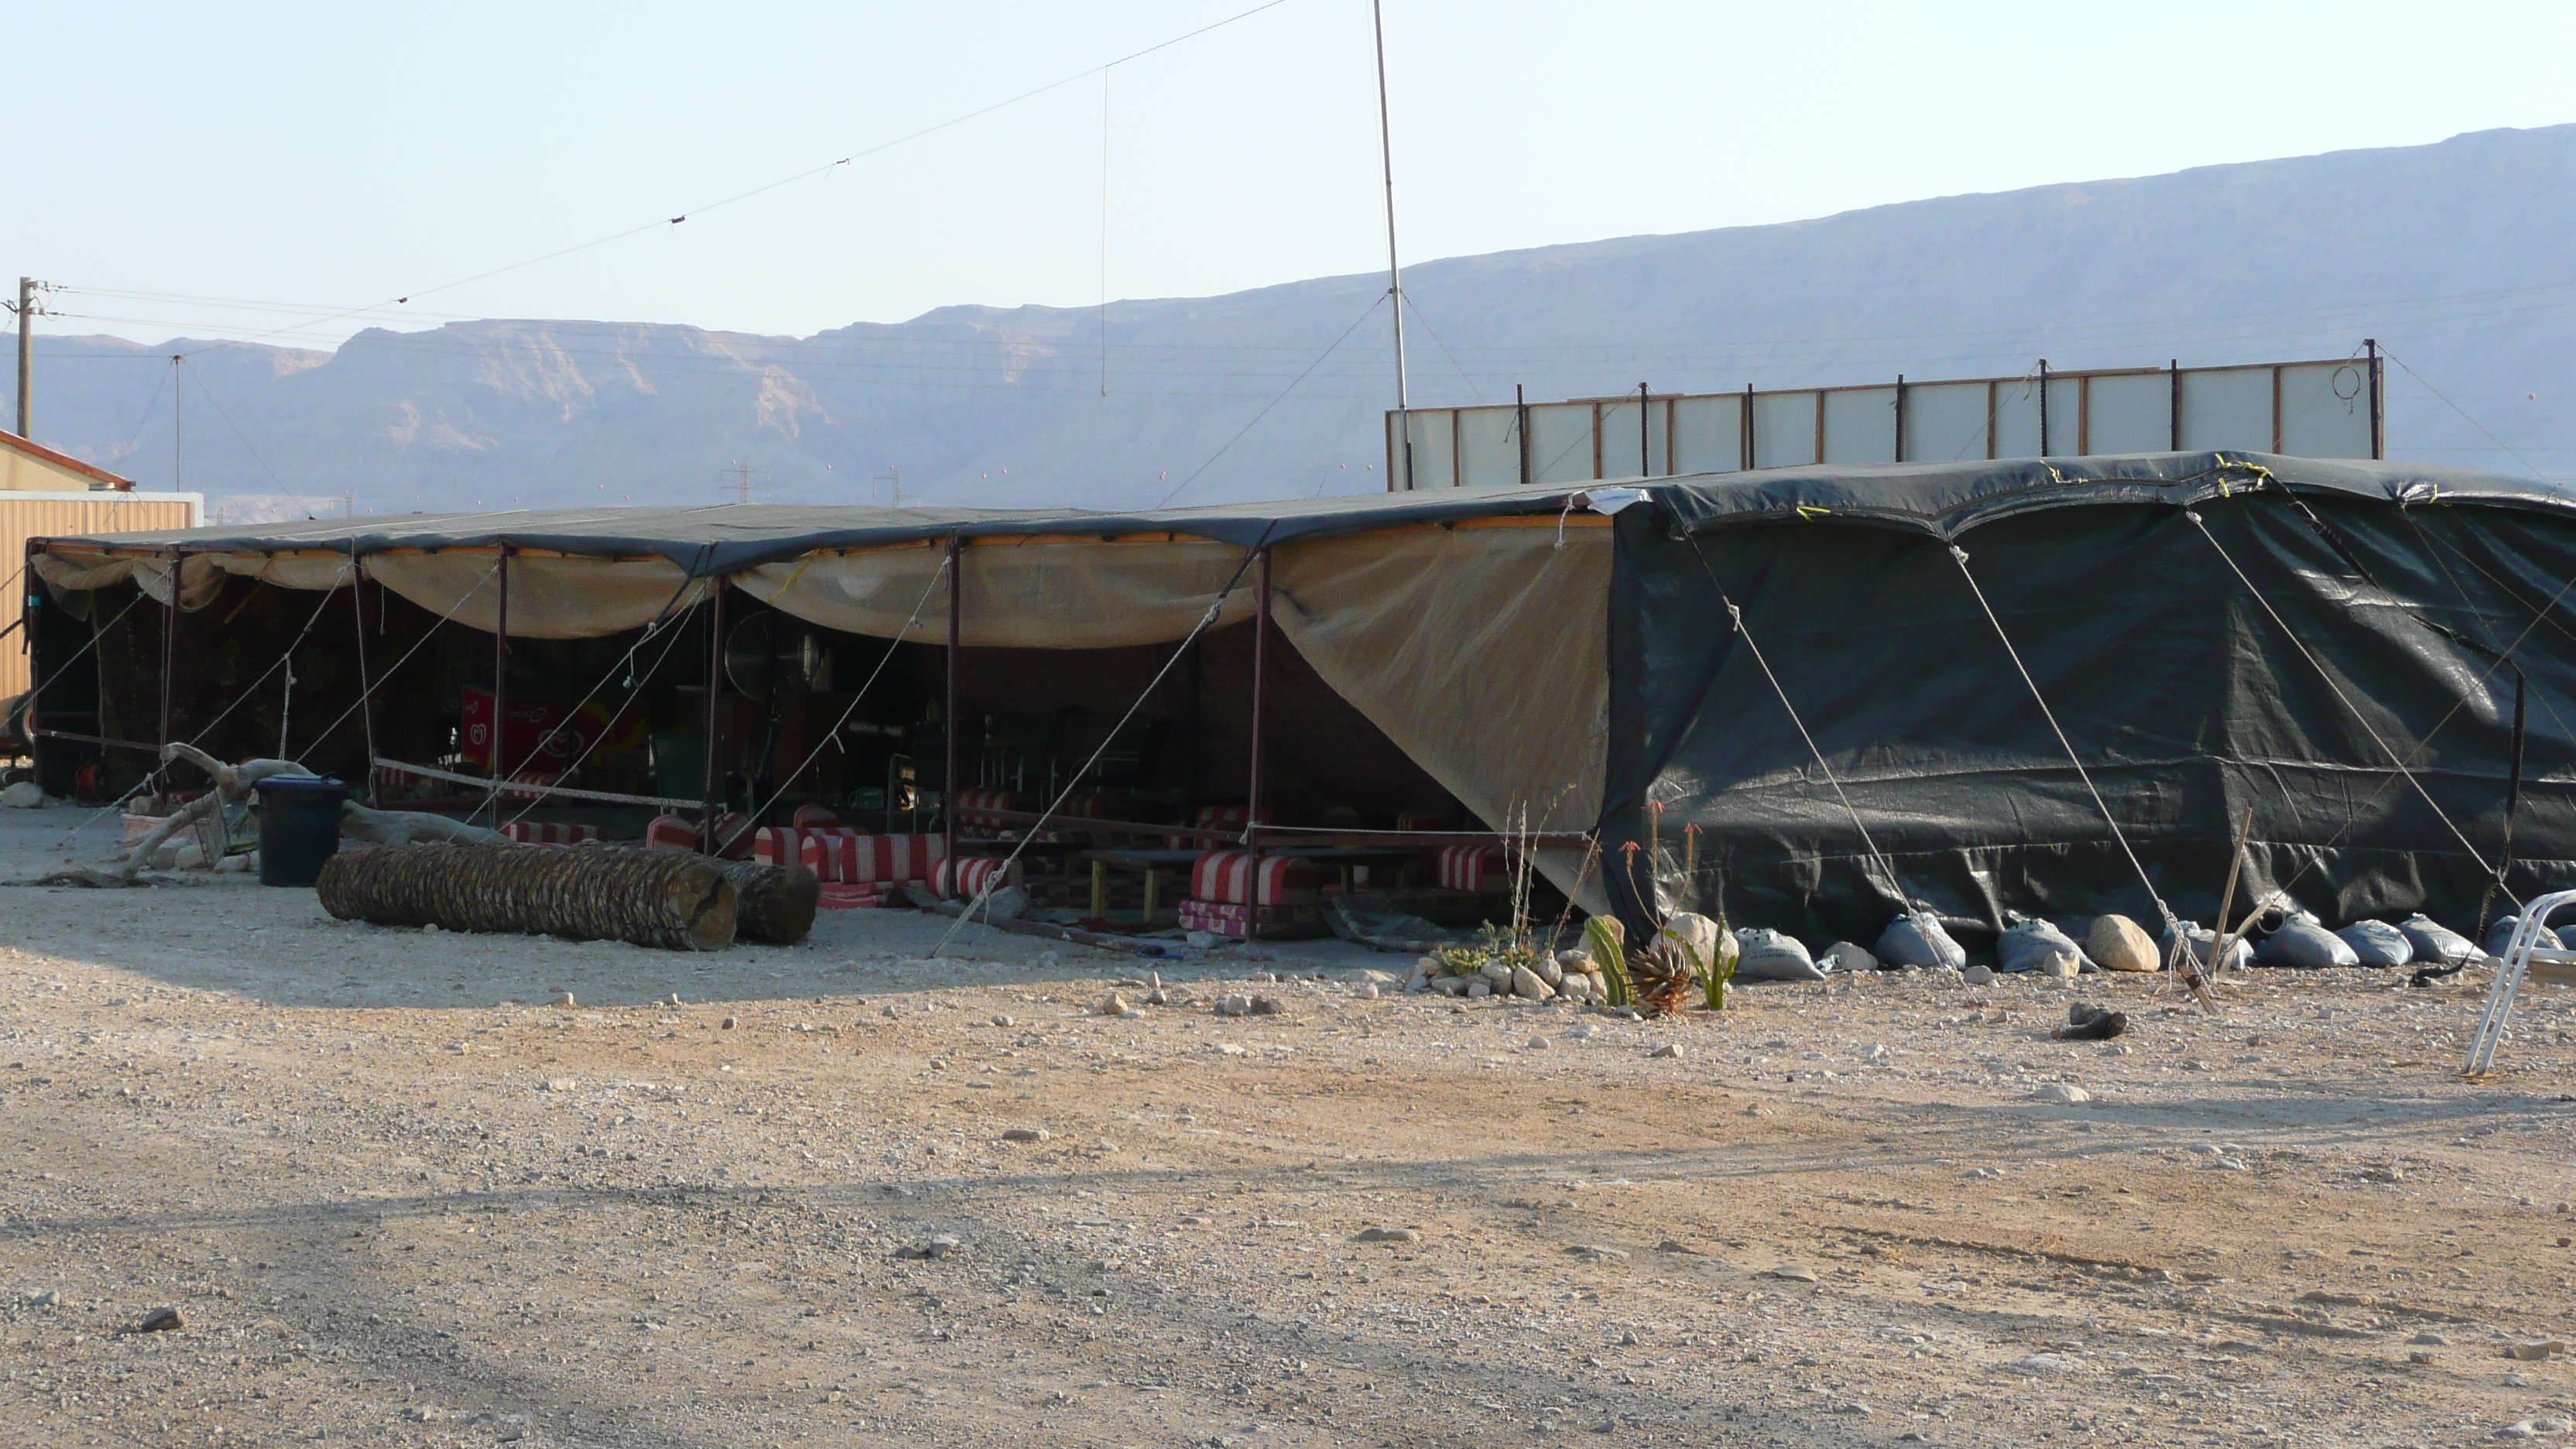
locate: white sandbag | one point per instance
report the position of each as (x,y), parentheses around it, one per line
(2377,943)
(1918,940)
(2204,941)
(1764,955)
(2500,935)
(2435,944)
(1843,956)
(2303,945)
(2029,945)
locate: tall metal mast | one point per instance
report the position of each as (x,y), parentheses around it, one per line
(1394,277)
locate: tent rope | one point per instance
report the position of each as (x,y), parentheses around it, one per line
(984,893)
(2322,673)
(369,690)
(626,661)
(2173,923)
(753,819)
(1735,615)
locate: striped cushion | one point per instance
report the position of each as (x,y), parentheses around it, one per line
(814,817)
(1225,918)
(544,832)
(837,897)
(734,835)
(1463,867)
(977,873)
(670,832)
(851,857)
(975,807)
(1228,876)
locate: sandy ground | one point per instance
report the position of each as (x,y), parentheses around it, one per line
(396,1197)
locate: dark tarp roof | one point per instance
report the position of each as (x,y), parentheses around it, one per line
(1942,499)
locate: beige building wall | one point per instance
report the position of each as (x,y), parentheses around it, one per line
(25,515)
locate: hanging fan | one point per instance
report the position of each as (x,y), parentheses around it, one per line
(769,656)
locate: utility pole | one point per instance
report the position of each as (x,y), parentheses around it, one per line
(177,437)
(1394,278)
(892,477)
(26,392)
(742,474)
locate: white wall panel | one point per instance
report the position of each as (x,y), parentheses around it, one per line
(1784,429)
(2325,410)
(2129,413)
(2017,419)
(1708,434)
(1434,459)
(1860,425)
(1622,451)
(1561,442)
(1489,446)
(1945,422)
(2065,415)
(2228,408)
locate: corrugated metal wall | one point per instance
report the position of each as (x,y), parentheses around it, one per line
(51,515)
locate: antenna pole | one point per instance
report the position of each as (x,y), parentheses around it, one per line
(1394,277)
(26,392)
(178,435)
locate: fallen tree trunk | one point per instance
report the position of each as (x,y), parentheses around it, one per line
(774,903)
(410,827)
(232,784)
(649,898)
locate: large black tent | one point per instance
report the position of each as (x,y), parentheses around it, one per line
(2053,686)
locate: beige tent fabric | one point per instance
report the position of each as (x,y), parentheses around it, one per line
(286,570)
(1482,652)
(199,577)
(1032,594)
(550,598)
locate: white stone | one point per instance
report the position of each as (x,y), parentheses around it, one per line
(1538,1044)
(24,795)
(1497,972)
(189,856)
(1479,988)
(1548,971)
(2061,1092)
(1527,985)
(2044,1363)
(1366,991)
(1978,975)
(233,864)
(1668,1051)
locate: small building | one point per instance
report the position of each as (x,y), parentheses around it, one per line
(42,493)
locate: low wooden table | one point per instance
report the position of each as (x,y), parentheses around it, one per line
(1154,862)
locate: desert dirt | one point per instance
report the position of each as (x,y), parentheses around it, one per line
(395,1196)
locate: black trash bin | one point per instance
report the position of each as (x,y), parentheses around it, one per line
(299,827)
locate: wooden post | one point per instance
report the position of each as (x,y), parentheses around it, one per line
(500,681)
(366,686)
(1260,686)
(715,714)
(948,773)
(170,645)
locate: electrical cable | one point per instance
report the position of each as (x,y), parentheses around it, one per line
(635,687)
(1369,312)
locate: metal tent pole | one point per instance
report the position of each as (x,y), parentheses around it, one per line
(170,645)
(1260,688)
(948,772)
(714,716)
(2378,413)
(500,680)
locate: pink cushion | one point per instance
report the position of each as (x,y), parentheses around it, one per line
(1463,867)
(1228,876)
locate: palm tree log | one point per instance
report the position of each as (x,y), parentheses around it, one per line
(650,898)
(775,903)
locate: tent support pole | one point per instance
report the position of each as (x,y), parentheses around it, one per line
(170,645)
(366,685)
(715,713)
(2378,411)
(500,681)
(1260,688)
(948,709)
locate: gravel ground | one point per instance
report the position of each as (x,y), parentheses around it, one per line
(394,1195)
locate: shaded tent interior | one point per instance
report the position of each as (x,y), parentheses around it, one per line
(1525,649)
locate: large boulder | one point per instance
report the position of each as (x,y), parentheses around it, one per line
(2117,943)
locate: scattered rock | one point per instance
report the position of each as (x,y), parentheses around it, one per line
(2430,1340)
(1386,1235)
(937,1247)
(1877,1054)
(1024,1134)
(562,1084)
(1530,986)
(1114,1005)
(2534,1351)
(1668,1050)
(1978,975)
(1597,1251)
(2061,1092)
(1792,1272)
(1537,1044)
(1268,1006)
(1234,1006)
(1365,991)
(728,1023)
(2043,1363)
(1005,1021)
(160,1320)
(46,1299)
(24,795)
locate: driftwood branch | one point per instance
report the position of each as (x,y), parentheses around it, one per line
(232,784)
(409,827)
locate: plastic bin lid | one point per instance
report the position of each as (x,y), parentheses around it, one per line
(299,785)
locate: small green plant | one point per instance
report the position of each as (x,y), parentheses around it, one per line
(1718,967)
(1607,941)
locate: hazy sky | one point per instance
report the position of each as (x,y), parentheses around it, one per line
(335,156)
